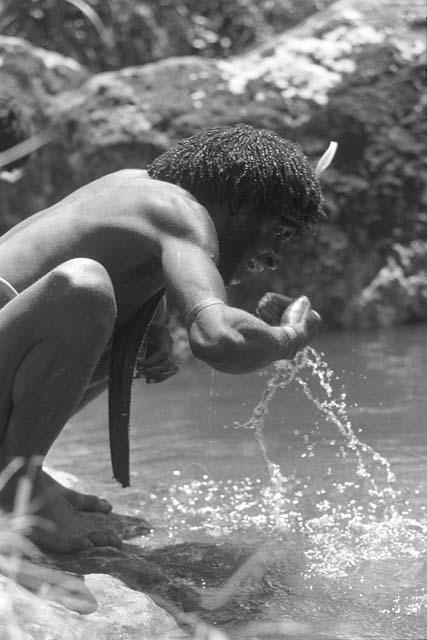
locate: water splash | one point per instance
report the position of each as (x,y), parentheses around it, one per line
(285,373)
(361,552)
(211,399)
(341,522)
(334,411)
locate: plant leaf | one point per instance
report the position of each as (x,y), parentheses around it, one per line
(326,159)
(94,18)
(25,148)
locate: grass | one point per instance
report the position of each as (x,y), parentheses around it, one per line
(14,548)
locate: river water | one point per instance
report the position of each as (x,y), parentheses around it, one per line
(347,550)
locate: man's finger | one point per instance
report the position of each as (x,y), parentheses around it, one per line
(297,311)
(156,360)
(165,367)
(160,377)
(271,307)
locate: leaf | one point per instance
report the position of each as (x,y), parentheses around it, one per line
(25,148)
(326,159)
(94,18)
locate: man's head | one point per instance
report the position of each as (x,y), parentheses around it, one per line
(257,177)
(242,165)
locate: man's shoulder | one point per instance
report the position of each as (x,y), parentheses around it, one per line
(171,208)
(164,210)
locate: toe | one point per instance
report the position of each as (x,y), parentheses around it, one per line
(104,505)
(104,539)
(98,538)
(61,544)
(93,503)
(79,543)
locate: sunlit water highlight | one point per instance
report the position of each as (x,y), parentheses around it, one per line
(350,532)
(343,544)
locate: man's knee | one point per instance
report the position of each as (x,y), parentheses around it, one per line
(86,293)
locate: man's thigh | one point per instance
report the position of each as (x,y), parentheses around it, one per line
(24,321)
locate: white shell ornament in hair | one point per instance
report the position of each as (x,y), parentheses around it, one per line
(326,159)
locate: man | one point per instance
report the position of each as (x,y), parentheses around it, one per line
(215,203)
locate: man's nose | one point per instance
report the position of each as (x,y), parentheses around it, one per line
(269,259)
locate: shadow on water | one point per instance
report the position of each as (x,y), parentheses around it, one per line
(224,584)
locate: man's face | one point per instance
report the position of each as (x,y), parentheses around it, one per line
(265,248)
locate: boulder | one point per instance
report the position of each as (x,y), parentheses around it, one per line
(121,613)
(35,617)
(213,583)
(145,590)
(29,78)
(352,73)
(128,614)
(45,72)
(398,293)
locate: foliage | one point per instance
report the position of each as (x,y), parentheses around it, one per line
(109,34)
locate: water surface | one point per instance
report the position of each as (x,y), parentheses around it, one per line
(348,552)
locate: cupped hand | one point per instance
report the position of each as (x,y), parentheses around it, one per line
(272,306)
(301,319)
(158,364)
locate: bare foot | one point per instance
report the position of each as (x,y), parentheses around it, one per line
(80,501)
(66,529)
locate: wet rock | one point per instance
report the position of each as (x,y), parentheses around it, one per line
(399,291)
(216,583)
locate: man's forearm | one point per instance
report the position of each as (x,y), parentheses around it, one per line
(244,343)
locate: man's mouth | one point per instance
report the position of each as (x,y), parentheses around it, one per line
(255,265)
(263,261)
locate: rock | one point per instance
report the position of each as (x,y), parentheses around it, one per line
(15,125)
(127,614)
(128,32)
(46,72)
(56,586)
(351,73)
(26,615)
(67,480)
(398,293)
(121,613)
(197,581)
(139,591)
(29,78)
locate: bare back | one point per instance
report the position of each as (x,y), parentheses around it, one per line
(121,221)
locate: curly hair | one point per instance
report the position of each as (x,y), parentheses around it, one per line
(242,164)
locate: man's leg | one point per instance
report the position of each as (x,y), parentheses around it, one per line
(84,501)
(51,338)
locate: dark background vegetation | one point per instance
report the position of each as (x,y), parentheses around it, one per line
(135,32)
(368,265)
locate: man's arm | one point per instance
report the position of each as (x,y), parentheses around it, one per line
(224,337)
